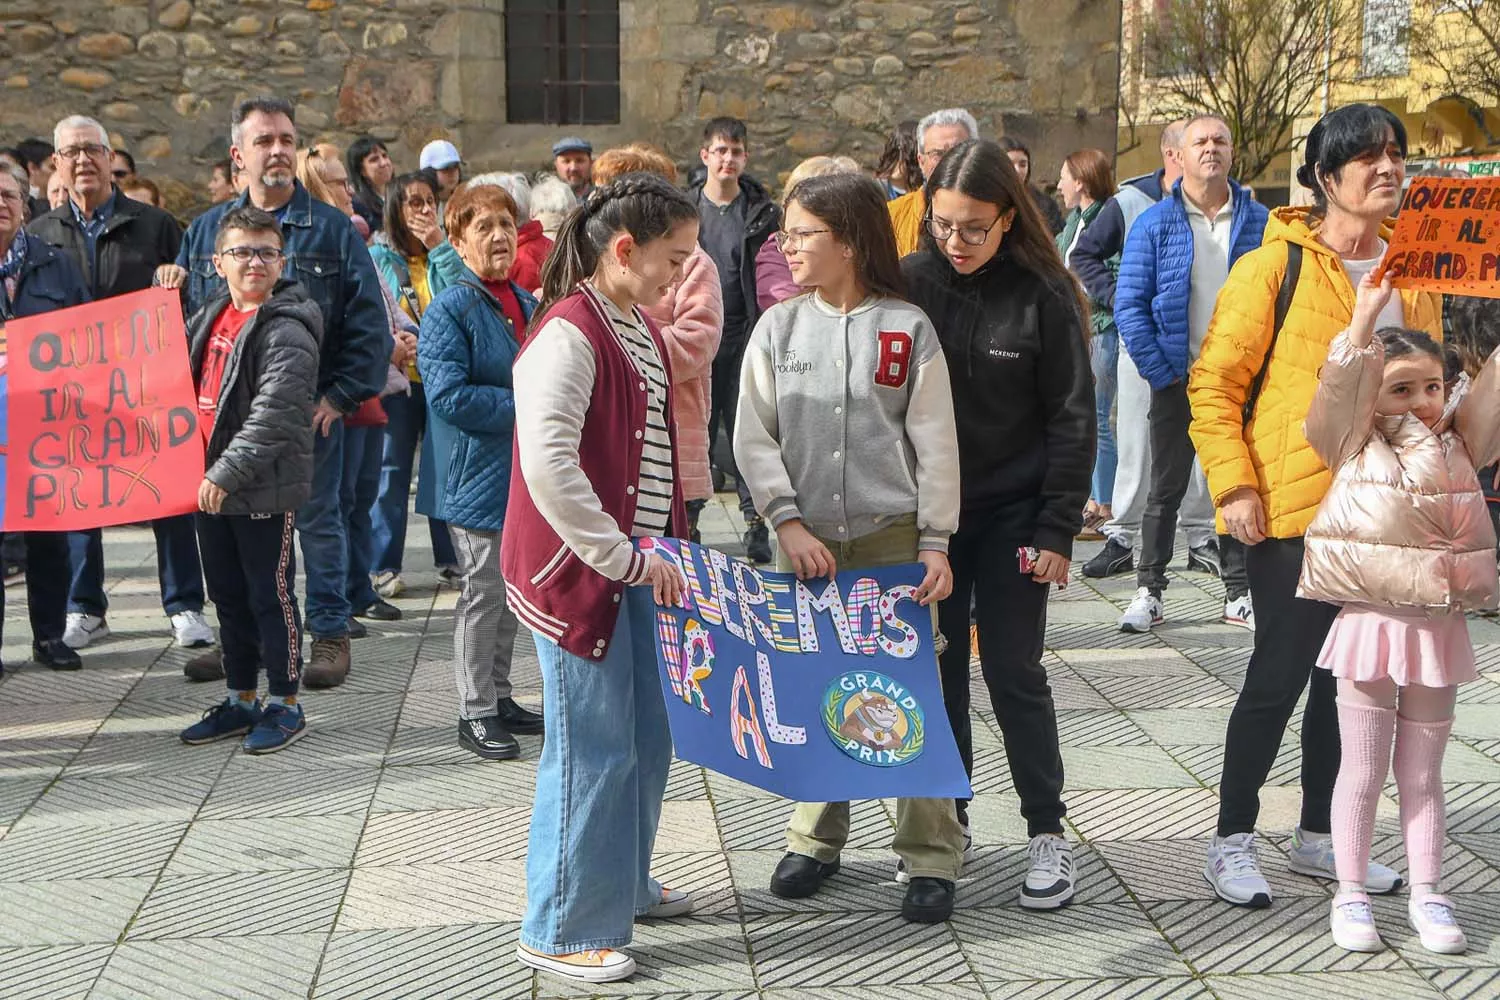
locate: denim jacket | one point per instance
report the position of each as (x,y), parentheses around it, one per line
(327,257)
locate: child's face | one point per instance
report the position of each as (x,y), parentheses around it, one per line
(1413,384)
(957,221)
(816,259)
(251,262)
(652,268)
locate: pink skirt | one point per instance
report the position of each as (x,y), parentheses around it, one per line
(1366,644)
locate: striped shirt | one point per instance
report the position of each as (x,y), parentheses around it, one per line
(653,509)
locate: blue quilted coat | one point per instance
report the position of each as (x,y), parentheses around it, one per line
(465,351)
(1156,269)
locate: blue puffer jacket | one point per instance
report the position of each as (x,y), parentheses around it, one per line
(1156,271)
(465,351)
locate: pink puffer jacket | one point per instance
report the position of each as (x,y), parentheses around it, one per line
(691,319)
(1404,524)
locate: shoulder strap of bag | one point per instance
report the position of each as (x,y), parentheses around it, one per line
(1283,305)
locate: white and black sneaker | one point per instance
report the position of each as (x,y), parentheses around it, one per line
(488,739)
(1144,614)
(903,878)
(1049,883)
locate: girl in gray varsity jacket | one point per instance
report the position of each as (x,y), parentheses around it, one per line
(865,475)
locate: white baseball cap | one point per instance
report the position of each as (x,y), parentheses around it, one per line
(439,154)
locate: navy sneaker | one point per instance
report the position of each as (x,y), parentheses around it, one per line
(231,717)
(279,727)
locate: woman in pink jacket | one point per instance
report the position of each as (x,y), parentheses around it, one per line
(691,320)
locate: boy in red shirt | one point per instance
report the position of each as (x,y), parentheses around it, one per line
(254,353)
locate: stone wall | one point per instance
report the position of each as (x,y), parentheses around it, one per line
(812,77)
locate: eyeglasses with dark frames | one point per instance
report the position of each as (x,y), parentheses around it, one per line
(975,236)
(266,255)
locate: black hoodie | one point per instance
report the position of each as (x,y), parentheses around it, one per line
(1023,394)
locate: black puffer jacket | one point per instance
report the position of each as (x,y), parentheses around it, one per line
(261,447)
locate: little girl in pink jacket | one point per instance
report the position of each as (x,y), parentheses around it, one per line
(1404,543)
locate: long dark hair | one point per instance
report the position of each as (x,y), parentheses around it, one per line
(1345,134)
(354,161)
(854,208)
(395,199)
(899,160)
(644,205)
(981,170)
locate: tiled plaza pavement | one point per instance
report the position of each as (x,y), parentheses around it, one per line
(378,861)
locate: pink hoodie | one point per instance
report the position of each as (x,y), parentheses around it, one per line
(691,319)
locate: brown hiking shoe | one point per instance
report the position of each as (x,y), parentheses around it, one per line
(329,665)
(207,666)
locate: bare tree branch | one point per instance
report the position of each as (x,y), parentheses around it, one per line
(1462,39)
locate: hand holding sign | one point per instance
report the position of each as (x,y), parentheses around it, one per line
(1447,237)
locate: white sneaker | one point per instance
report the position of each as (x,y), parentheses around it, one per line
(1234,872)
(388,584)
(83,629)
(902,878)
(1144,612)
(1240,613)
(1433,919)
(673,903)
(1352,921)
(1049,883)
(1313,856)
(192,629)
(598,965)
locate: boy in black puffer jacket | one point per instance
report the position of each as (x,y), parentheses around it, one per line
(255,362)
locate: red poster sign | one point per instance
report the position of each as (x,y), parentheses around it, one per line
(103,419)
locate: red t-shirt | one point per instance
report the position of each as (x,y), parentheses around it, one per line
(221,337)
(509,304)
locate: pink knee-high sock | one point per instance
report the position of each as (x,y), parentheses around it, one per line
(1419,781)
(1365,743)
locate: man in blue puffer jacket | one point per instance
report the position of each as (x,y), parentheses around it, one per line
(1176,259)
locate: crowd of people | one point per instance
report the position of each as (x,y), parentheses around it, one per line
(932,362)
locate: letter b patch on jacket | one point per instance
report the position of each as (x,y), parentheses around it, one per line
(895,359)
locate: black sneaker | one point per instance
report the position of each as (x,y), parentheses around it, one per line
(380,611)
(1111,560)
(1205,558)
(928,900)
(520,720)
(357,629)
(488,739)
(798,876)
(56,655)
(758,542)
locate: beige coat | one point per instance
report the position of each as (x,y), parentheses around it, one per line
(1404,524)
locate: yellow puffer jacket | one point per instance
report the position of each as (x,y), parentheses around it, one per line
(1270,453)
(907,212)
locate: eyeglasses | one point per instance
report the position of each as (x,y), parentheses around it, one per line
(728,152)
(92,150)
(793,241)
(14,196)
(417,204)
(266,255)
(974,236)
(935,154)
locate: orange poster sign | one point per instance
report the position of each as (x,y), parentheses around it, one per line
(102,416)
(1447,237)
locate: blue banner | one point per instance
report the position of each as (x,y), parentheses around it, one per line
(818,690)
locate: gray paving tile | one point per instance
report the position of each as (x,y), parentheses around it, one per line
(434,895)
(260,845)
(43,851)
(793,951)
(1124,767)
(760,824)
(1144,814)
(1156,870)
(268,967)
(156,798)
(312,793)
(1391,985)
(18,792)
(474,962)
(1008,944)
(1466,984)
(1176,988)
(240,904)
(37,757)
(1290,937)
(68,911)
(699,959)
(472,784)
(51,972)
(444,836)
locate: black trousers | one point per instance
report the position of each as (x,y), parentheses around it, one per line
(1010,610)
(1172,457)
(1286,649)
(724,398)
(47,579)
(250,566)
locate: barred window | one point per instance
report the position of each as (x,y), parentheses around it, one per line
(1387,25)
(562,62)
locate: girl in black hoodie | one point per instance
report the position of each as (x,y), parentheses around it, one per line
(1013,329)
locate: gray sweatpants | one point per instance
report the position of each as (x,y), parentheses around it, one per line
(484,627)
(1133,474)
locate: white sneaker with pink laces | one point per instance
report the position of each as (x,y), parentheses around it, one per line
(1436,923)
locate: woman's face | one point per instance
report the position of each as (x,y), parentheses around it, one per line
(488,244)
(337,179)
(955,216)
(1072,191)
(377,168)
(418,208)
(1413,384)
(1022,162)
(1369,186)
(815,257)
(651,269)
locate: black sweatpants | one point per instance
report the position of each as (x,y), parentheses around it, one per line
(47,579)
(1287,643)
(250,566)
(724,398)
(1010,610)
(1172,457)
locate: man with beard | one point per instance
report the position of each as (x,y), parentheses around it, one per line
(327,256)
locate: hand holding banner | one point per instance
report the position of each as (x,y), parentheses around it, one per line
(103,418)
(818,690)
(1447,237)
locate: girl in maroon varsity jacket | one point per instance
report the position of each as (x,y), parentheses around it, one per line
(595,471)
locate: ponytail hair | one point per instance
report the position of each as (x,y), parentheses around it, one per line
(644,205)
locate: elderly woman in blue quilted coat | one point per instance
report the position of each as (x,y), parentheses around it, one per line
(471,334)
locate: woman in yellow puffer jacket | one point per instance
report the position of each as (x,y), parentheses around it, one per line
(1267,482)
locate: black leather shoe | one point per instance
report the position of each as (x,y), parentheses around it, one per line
(55,654)
(520,720)
(928,900)
(207,666)
(1205,559)
(380,611)
(758,542)
(798,876)
(488,739)
(1111,560)
(357,629)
